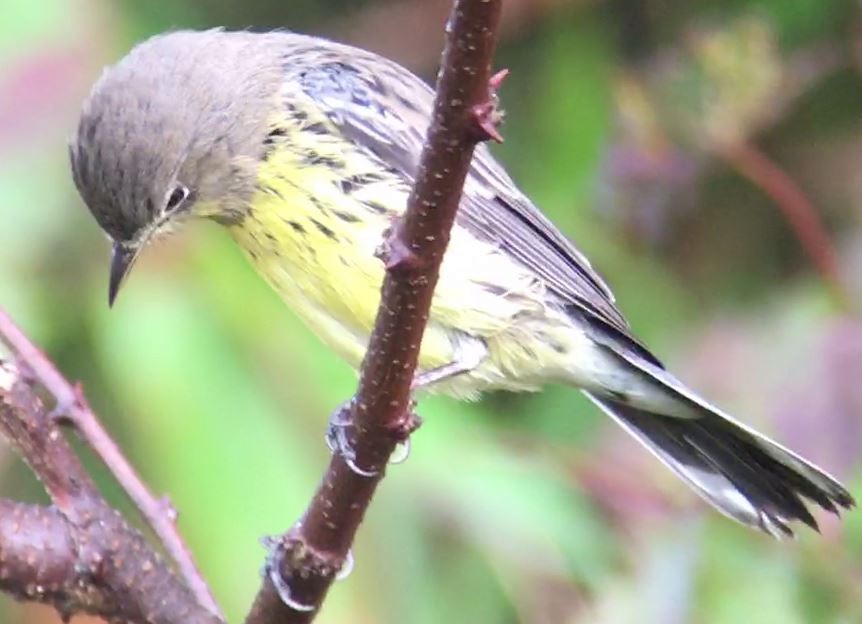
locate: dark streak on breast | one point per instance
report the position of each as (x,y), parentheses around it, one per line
(275,136)
(346,216)
(296,225)
(324,230)
(271,190)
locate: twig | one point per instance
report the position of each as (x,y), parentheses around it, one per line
(305,561)
(73,408)
(379,26)
(79,555)
(768,176)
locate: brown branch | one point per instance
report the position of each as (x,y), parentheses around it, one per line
(37,558)
(305,561)
(768,176)
(79,555)
(380,26)
(72,406)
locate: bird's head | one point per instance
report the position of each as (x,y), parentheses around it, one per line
(172,132)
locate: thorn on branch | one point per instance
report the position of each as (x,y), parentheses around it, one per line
(401,429)
(487,115)
(171,512)
(67,405)
(395,253)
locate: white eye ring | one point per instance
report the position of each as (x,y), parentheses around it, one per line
(176,198)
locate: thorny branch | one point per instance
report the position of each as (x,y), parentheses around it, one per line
(304,562)
(73,409)
(78,554)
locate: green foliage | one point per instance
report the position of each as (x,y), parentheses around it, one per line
(518,508)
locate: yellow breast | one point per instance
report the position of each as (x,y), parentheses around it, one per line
(313,230)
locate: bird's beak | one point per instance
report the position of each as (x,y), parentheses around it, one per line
(122,258)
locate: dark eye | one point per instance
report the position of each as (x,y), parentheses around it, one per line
(176,198)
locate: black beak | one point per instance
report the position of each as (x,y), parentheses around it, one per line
(122,259)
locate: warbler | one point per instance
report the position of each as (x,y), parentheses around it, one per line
(306,150)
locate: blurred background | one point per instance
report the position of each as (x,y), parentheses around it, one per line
(706,155)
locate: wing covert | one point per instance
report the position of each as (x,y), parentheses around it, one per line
(385,108)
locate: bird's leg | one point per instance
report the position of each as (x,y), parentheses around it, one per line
(469,353)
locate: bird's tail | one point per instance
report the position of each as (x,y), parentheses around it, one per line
(744,474)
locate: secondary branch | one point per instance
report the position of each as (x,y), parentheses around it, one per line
(78,555)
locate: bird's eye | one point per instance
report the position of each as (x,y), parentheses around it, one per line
(176,198)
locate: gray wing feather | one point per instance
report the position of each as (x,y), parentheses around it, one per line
(385,108)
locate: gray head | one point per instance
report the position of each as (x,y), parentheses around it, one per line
(175,130)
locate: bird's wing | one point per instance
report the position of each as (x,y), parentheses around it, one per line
(385,108)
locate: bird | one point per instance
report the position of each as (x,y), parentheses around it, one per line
(305,150)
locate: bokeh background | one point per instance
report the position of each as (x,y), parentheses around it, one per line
(670,139)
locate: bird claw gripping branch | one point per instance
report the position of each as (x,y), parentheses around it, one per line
(339,439)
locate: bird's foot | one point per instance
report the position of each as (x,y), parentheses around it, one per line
(340,438)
